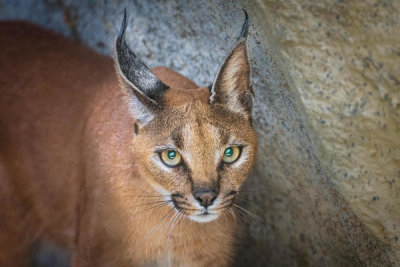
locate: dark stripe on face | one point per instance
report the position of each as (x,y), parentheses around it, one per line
(200,132)
(188,173)
(224,136)
(136,129)
(220,166)
(219,181)
(177,137)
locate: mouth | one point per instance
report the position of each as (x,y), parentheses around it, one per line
(203,216)
(198,215)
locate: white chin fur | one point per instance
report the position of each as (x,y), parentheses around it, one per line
(204,218)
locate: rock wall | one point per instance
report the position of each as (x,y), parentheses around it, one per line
(327,180)
(343,59)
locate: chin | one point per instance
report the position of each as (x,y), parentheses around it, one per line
(203,218)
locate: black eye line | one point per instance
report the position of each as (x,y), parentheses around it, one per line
(240,145)
(161,149)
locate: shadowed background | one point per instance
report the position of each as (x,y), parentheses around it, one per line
(327,112)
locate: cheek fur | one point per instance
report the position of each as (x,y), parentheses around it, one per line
(170,179)
(155,159)
(236,173)
(242,159)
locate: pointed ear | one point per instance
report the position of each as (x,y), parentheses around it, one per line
(232,87)
(144,88)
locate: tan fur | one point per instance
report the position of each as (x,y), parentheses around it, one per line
(233,77)
(73,172)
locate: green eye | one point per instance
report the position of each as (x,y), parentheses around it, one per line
(231,154)
(171,158)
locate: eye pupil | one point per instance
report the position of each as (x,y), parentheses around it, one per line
(171,154)
(228,152)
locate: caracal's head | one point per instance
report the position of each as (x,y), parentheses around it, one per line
(195,146)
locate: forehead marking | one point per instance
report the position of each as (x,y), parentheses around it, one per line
(185,133)
(177,138)
(201,139)
(224,136)
(200,128)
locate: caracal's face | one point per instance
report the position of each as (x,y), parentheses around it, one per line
(197,156)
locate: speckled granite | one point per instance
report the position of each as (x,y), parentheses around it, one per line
(319,183)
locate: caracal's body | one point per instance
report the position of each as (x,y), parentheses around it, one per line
(68,172)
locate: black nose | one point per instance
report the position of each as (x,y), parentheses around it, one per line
(205,197)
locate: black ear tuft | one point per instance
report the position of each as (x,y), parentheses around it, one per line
(145,89)
(245,26)
(134,72)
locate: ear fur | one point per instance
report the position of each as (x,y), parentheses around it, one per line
(232,87)
(144,88)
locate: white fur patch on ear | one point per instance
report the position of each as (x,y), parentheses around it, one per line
(140,111)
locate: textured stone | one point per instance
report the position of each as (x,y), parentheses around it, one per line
(327,180)
(344,59)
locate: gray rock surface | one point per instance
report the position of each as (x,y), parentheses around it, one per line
(307,219)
